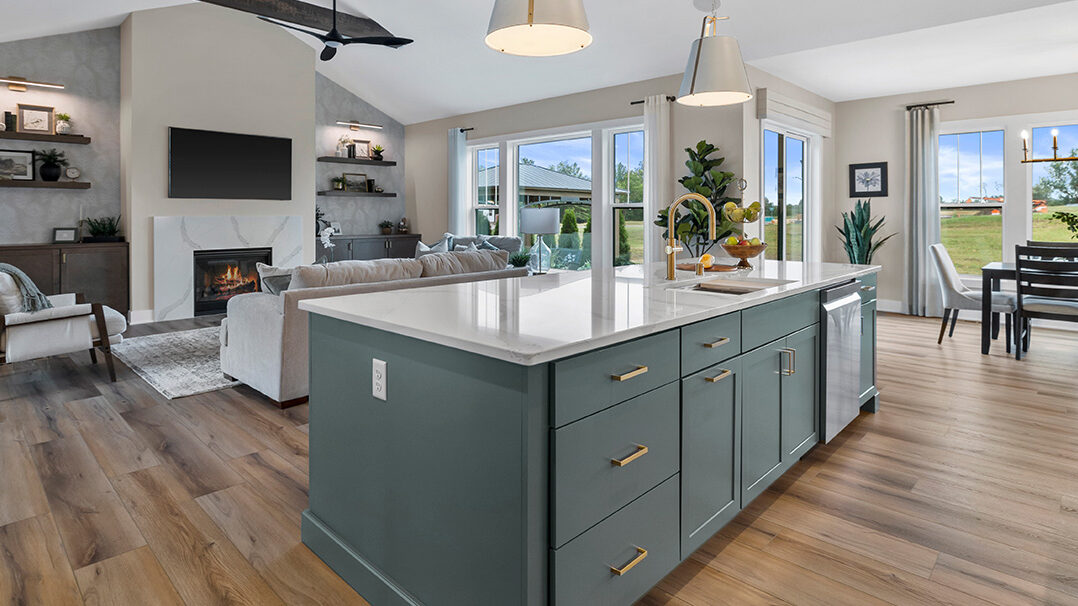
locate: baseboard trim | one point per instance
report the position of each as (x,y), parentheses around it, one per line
(891,306)
(364,577)
(140,316)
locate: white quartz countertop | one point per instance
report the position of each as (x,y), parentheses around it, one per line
(539,319)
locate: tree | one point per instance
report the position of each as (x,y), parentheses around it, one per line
(527,161)
(1060,186)
(572,169)
(482,224)
(623,236)
(629,185)
(570,236)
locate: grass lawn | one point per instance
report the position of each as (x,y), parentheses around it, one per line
(974,239)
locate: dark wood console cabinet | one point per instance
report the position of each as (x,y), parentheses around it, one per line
(363,248)
(99,271)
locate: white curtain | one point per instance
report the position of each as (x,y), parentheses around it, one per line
(458,182)
(922,183)
(657,172)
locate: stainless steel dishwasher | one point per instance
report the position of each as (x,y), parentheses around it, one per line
(840,319)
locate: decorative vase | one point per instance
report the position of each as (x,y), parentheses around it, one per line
(376,155)
(50,172)
(63,127)
(338,186)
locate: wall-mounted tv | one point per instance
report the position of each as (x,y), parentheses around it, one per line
(213,165)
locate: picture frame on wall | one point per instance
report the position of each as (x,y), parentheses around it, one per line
(65,235)
(363,149)
(868,180)
(38,119)
(16,165)
(355,182)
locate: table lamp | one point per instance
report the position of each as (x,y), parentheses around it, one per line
(541,222)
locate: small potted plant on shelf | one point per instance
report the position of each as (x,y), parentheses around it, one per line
(376,152)
(52,163)
(105,229)
(338,183)
(63,124)
(387,227)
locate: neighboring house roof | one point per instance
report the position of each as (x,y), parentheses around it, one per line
(537,177)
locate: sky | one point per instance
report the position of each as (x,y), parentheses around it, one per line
(628,150)
(1041,146)
(971,166)
(795,159)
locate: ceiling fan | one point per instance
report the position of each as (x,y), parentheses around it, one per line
(334,40)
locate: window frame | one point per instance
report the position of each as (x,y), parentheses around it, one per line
(473,187)
(611,187)
(810,186)
(978,127)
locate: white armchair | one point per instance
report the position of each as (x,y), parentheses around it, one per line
(957,296)
(70,326)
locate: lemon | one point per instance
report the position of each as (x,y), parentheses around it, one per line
(707,260)
(755,241)
(755,206)
(730,206)
(732,241)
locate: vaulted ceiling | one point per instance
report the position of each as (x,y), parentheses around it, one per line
(842,49)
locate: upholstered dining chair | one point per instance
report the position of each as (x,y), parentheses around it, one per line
(1047,285)
(71,325)
(957,296)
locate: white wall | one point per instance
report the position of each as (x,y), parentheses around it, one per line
(873,130)
(202,66)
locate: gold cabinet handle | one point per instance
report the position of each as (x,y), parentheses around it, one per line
(641,450)
(787,370)
(635,373)
(722,375)
(717,344)
(641,553)
(868,288)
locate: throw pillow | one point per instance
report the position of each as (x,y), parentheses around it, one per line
(440,246)
(482,260)
(274,279)
(10,297)
(459,248)
(486,245)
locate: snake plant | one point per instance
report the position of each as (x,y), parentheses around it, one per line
(859,233)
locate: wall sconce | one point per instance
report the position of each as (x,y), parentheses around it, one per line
(19,85)
(353,125)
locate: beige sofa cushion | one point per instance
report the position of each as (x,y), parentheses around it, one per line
(354,272)
(463,262)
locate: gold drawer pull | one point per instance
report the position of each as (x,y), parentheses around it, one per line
(635,373)
(721,376)
(641,553)
(641,450)
(717,344)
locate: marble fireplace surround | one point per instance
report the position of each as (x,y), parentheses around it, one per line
(176,238)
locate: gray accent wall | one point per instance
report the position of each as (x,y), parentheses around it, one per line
(358,216)
(88,64)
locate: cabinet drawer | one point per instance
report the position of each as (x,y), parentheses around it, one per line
(588,484)
(868,287)
(593,381)
(771,321)
(710,342)
(583,569)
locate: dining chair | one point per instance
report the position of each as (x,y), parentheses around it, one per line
(1052,244)
(1047,279)
(957,296)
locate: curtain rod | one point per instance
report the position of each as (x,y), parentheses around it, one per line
(642,101)
(932,104)
(464,130)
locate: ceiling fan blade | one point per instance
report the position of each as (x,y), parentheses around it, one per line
(390,41)
(328,53)
(304,30)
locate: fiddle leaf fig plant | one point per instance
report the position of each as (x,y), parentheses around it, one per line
(859,233)
(710,181)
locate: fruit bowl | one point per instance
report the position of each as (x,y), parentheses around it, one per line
(744,252)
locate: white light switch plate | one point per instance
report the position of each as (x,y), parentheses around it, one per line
(378,379)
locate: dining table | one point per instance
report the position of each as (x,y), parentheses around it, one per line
(991,276)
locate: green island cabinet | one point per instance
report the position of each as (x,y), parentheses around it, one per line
(582,481)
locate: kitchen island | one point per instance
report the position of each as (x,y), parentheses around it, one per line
(562,439)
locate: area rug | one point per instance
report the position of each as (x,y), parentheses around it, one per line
(177,364)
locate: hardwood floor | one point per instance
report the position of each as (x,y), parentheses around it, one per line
(963,490)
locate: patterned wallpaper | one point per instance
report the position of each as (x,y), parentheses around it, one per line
(88,64)
(358,216)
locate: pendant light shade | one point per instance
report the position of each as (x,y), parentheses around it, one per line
(538,28)
(716,72)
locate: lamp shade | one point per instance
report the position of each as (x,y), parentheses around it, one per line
(540,221)
(538,28)
(716,74)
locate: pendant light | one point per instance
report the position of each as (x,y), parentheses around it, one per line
(716,72)
(538,28)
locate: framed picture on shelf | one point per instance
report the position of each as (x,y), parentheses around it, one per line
(16,165)
(36,119)
(363,149)
(355,182)
(868,180)
(336,227)
(65,235)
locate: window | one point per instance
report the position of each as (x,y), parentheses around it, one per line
(785,191)
(1055,184)
(557,174)
(971,198)
(627,167)
(487,195)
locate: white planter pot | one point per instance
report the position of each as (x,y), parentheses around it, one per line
(63,127)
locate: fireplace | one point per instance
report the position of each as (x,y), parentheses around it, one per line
(223,274)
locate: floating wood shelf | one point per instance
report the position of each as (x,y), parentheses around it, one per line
(76,139)
(47,184)
(335,193)
(364,161)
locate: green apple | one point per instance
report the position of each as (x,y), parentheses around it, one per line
(755,241)
(737,215)
(732,241)
(730,207)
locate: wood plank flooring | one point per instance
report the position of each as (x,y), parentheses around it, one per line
(963,490)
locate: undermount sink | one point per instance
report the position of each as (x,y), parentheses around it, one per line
(745,286)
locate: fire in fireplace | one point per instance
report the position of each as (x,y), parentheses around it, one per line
(223,274)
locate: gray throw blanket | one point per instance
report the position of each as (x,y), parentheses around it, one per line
(32,298)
